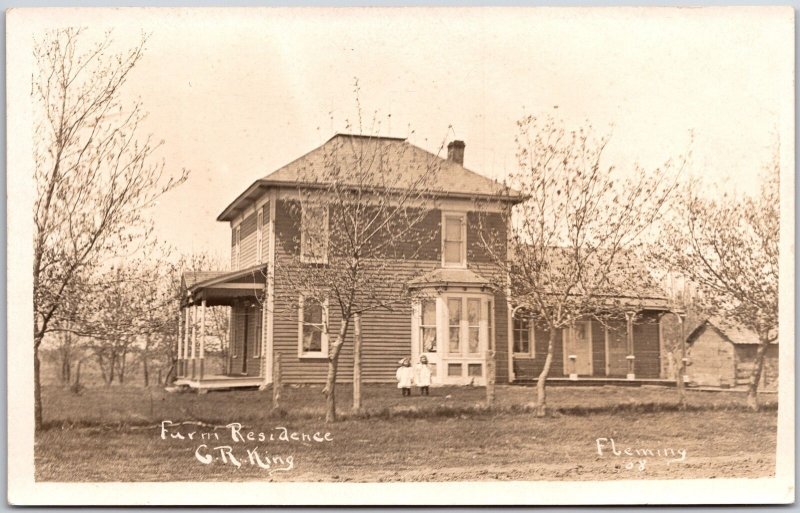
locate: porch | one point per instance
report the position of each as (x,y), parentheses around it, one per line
(595,381)
(240,290)
(219,382)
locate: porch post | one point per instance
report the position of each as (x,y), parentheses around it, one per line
(194,341)
(202,337)
(629,332)
(185,355)
(179,356)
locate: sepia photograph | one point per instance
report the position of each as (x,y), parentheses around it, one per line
(406,255)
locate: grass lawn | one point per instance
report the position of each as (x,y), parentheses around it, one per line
(114,434)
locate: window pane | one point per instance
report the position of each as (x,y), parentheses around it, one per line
(452,229)
(312,339)
(454,369)
(454,311)
(454,314)
(452,252)
(312,312)
(475,370)
(455,340)
(429,313)
(474,340)
(473,311)
(521,341)
(580,333)
(428,340)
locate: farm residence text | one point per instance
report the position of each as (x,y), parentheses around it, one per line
(230,447)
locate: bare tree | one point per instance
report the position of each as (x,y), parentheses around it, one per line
(359,212)
(570,246)
(94,173)
(729,248)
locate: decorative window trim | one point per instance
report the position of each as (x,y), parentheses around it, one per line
(531,352)
(308,259)
(463,216)
(323,339)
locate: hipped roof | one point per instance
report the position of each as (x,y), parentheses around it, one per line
(405,162)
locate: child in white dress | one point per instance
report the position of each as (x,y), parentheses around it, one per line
(405,376)
(422,376)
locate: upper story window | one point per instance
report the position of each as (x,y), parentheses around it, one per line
(454,239)
(311,330)
(259,236)
(314,234)
(237,242)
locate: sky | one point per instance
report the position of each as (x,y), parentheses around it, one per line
(235,94)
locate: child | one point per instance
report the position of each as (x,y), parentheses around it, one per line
(423,376)
(405,376)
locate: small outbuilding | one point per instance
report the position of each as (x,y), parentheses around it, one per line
(722,354)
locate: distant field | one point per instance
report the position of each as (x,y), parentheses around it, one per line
(113,434)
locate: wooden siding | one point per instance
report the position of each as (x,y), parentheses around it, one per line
(745,359)
(500,317)
(238,340)
(247,255)
(265,234)
(712,361)
(598,349)
(426,235)
(645,343)
(495,226)
(386,333)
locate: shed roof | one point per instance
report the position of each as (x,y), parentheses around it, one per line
(401,165)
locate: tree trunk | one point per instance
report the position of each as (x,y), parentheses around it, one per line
(758,369)
(37,387)
(145,372)
(541,392)
(333,367)
(357,363)
(112,369)
(78,375)
(681,371)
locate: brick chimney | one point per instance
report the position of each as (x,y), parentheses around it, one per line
(455,152)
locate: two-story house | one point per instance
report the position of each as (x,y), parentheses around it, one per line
(460,311)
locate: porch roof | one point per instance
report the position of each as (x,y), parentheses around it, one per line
(222,287)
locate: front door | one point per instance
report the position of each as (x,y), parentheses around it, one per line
(578,349)
(616,352)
